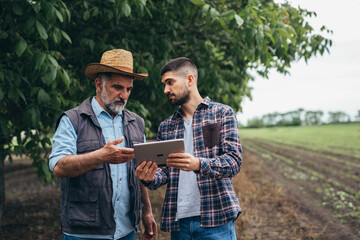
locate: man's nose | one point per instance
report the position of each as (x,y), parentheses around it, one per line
(124,94)
(166,89)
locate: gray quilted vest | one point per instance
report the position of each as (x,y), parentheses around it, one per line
(86,200)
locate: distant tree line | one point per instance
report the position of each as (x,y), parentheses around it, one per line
(299,117)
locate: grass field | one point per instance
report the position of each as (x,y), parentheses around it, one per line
(342,139)
(320,163)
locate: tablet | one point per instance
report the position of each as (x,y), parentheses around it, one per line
(157,151)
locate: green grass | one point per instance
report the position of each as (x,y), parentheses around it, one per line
(341,139)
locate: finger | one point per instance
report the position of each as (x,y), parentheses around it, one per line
(150,229)
(153,169)
(147,167)
(127,150)
(178,165)
(155,230)
(175,155)
(176,160)
(139,172)
(140,167)
(116,141)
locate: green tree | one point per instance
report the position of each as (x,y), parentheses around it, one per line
(33,79)
(292,118)
(313,117)
(357,117)
(255,123)
(270,119)
(44,46)
(338,117)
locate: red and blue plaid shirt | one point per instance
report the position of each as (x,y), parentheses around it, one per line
(217,145)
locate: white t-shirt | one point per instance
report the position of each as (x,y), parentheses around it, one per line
(188,202)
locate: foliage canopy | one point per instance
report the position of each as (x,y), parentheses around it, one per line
(44,46)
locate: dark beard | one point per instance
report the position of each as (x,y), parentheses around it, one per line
(184,98)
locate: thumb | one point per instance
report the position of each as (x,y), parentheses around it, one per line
(150,229)
(117,141)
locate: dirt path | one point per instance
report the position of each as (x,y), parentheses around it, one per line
(318,185)
(269,211)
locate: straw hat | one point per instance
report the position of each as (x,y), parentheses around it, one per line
(116,61)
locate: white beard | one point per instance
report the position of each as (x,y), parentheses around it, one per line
(111,107)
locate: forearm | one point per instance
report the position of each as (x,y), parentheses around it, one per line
(145,199)
(227,165)
(75,165)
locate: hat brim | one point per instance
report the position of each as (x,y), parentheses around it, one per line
(92,69)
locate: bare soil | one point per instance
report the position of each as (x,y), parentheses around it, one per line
(272,207)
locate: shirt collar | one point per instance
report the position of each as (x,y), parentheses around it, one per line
(205,103)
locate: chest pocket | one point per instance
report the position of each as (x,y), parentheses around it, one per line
(211,135)
(88,145)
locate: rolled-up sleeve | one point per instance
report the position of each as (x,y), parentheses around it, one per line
(64,142)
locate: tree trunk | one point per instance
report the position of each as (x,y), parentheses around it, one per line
(2,188)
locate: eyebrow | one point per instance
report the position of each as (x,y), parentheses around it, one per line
(117,84)
(166,80)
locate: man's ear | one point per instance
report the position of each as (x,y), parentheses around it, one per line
(98,84)
(191,80)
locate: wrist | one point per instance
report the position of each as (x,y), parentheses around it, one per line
(198,164)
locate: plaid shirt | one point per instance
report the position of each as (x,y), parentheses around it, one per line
(217,145)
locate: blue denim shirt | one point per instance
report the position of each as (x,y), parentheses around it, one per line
(64,143)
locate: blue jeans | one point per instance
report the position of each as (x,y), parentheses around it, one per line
(130,236)
(190,229)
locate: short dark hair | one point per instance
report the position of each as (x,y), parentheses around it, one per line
(176,64)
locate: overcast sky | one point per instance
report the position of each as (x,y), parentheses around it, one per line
(330,82)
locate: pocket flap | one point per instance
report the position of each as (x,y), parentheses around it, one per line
(88,146)
(84,195)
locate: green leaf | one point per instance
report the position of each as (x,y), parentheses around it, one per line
(36,7)
(1,95)
(222,23)
(52,74)
(205,9)
(65,77)
(21,95)
(198,2)
(66,36)
(239,20)
(59,15)
(41,30)
(53,60)
(126,9)
(39,59)
(214,13)
(86,15)
(56,34)
(20,47)
(270,37)
(43,97)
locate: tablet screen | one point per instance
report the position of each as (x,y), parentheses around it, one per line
(157,151)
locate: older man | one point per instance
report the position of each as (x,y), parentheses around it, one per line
(92,153)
